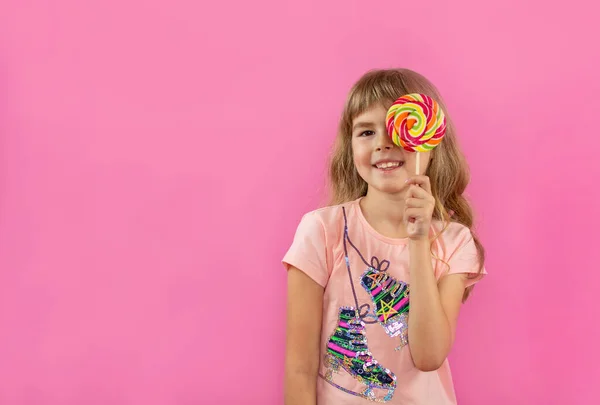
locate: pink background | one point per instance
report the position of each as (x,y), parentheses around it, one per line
(146,193)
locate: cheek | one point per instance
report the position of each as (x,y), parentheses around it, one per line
(361,155)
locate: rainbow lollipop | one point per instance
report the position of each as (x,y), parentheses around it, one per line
(416,123)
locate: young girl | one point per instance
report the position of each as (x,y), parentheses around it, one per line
(377,279)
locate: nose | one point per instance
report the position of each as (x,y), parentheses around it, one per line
(384,142)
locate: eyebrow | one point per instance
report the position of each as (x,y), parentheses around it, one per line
(362,124)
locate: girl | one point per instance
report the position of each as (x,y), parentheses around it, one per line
(391,244)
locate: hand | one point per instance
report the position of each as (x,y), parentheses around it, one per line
(418,208)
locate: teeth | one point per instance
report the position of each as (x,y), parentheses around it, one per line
(388,165)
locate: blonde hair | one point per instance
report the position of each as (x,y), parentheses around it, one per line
(448,170)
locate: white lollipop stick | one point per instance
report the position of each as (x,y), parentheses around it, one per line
(418,164)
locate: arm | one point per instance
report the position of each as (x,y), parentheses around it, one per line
(434,309)
(304,316)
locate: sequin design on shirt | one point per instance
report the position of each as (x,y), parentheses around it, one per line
(391,300)
(348,349)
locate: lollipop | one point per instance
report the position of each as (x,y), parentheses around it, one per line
(416,123)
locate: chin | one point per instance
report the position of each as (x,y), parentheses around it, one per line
(388,188)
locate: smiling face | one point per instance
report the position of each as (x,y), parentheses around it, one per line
(384,166)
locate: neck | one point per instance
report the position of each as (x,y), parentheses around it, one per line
(385,213)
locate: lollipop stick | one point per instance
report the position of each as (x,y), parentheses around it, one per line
(418,164)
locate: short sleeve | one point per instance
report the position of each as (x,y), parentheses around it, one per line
(308,250)
(465,258)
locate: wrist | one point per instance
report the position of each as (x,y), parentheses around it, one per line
(420,254)
(419,242)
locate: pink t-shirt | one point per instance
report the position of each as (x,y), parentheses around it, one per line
(365,354)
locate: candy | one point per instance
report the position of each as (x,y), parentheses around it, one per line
(416,123)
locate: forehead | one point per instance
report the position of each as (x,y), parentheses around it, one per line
(374,113)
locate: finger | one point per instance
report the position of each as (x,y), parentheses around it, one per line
(414,213)
(421,181)
(418,192)
(415,203)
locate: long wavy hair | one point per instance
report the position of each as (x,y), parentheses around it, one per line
(448,170)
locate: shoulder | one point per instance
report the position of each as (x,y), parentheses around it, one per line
(457,247)
(326,223)
(452,231)
(329,216)
(451,236)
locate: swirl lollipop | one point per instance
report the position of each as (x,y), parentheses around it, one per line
(416,123)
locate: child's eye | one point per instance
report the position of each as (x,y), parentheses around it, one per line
(367,133)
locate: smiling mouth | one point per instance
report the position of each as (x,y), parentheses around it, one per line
(387,166)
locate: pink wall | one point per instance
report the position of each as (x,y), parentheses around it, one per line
(148,148)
